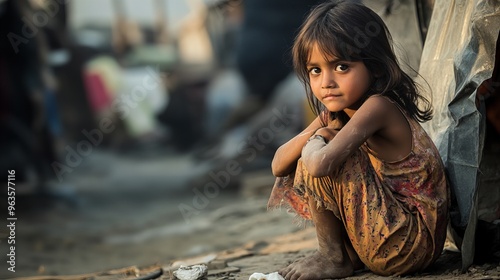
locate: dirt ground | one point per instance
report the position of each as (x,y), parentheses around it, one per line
(122,220)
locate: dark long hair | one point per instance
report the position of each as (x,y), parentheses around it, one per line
(352,32)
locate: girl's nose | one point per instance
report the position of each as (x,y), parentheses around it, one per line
(328,81)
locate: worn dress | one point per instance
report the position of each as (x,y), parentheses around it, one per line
(395,213)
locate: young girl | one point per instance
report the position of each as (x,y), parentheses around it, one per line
(364,170)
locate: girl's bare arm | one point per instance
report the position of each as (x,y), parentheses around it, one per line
(285,158)
(321,159)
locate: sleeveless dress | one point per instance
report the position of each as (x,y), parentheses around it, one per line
(395,213)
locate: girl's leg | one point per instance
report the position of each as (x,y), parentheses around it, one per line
(332,259)
(357,264)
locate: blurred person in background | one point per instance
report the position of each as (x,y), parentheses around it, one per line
(29,119)
(266,87)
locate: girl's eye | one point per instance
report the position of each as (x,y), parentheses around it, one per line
(314,71)
(341,67)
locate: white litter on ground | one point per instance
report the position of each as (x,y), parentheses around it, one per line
(262,276)
(192,272)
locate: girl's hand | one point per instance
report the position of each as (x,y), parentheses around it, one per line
(328,132)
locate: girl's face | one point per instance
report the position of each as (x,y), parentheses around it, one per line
(338,84)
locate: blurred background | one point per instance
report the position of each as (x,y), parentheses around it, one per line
(142,131)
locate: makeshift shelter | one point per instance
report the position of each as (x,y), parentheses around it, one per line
(458,58)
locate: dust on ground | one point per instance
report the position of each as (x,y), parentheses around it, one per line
(120,217)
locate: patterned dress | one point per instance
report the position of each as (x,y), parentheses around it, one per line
(395,213)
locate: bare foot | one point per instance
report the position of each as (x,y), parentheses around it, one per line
(317,266)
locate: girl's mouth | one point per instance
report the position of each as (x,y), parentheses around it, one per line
(331,96)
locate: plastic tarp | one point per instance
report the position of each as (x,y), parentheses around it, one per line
(458,56)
